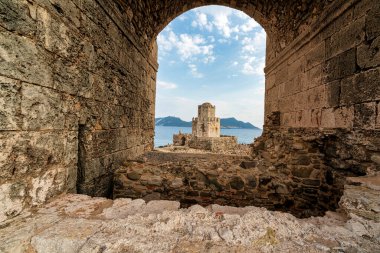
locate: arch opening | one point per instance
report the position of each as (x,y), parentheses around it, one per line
(214,54)
(239,181)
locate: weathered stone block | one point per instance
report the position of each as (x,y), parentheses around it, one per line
(372,23)
(41,108)
(11,204)
(288,119)
(281,75)
(361,87)
(344,117)
(55,36)
(316,97)
(297,67)
(237,183)
(316,115)
(281,189)
(376,158)
(365,115)
(313,77)
(30,153)
(362,7)
(10,104)
(333,93)
(377,126)
(302,172)
(303,118)
(347,38)
(315,56)
(287,104)
(328,118)
(70,77)
(269,81)
(341,65)
(369,55)
(133,175)
(303,160)
(311,182)
(68,10)
(23,60)
(15,16)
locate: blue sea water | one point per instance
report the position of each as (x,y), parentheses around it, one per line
(164,134)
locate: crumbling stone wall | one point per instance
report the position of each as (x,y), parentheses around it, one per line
(324,87)
(181,139)
(235,181)
(76,97)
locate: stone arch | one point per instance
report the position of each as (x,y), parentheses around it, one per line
(67,61)
(282,20)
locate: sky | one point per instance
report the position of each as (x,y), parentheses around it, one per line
(212,54)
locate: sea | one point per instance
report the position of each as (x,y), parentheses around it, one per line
(164,134)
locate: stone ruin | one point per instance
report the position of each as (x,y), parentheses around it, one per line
(206,133)
(77,99)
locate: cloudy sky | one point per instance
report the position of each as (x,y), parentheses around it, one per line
(212,54)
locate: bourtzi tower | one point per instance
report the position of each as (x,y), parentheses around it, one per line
(206,124)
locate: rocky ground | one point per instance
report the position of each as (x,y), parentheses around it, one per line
(78,223)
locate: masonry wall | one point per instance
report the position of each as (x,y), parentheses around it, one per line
(326,86)
(329,76)
(76,96)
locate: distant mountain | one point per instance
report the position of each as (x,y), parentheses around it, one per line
(225,123)
(234,123)
(172,121)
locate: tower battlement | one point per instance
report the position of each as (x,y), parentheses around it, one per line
(206,124)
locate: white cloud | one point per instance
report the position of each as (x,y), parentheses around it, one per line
(220,19)
(224,41)
(187,46)
(194,71)
(209,59)
(166,42)
(252,51)
(166,85)
(182,17)
(255,43)
(249,25)
(201,21)
(211,39)
(253,65)
(183,107)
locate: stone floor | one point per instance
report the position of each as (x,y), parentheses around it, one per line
(78,223)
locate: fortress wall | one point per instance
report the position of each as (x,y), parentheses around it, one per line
(77,98)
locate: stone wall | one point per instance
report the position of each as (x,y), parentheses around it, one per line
(181,139)
(329,76)
(76,97)
(325,88)
(235,181)
(214,144)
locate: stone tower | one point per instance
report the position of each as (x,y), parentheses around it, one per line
(206,124)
